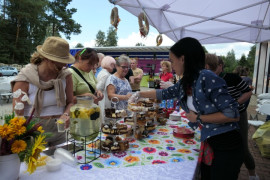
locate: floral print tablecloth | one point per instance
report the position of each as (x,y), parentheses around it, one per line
(159,148)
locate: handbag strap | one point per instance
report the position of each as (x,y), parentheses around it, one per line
(78,72)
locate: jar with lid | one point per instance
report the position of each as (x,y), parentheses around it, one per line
(84,119)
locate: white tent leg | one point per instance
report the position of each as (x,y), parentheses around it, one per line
(261,68)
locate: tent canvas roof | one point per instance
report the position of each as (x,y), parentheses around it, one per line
(209,21)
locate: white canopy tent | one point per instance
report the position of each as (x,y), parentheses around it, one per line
(212,22)
(209,21)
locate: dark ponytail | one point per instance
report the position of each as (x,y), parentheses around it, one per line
(194,60)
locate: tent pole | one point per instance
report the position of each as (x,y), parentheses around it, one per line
(220,35)
(261,67)
(170,25)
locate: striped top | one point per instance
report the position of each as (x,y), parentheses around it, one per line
(236,87)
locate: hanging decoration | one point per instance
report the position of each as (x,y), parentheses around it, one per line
(114,17)
(113,1)
(144,28)
(159,39)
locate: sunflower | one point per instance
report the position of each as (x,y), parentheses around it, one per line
(19,130)
(37,148)
(10,136)
(5,130)
(17,121)
(40,129)
(18,146)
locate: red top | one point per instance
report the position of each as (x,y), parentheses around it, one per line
(166,76)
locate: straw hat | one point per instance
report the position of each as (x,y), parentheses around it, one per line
(56,49)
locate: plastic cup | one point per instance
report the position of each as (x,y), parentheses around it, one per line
(60,125)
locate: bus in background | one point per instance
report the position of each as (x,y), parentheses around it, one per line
(149,57)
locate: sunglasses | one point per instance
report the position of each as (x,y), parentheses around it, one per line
(88,50)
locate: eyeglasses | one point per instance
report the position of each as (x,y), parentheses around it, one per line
(124,67)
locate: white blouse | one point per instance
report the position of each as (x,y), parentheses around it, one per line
(101,79)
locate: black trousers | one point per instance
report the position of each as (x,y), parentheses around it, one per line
(243,124)
(228,157)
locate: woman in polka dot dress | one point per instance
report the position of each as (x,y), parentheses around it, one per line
(205,99)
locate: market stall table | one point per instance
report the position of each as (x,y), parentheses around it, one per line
(160,156)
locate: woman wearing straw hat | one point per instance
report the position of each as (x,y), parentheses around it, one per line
(48,85)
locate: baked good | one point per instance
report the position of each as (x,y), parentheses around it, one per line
(150,127)
(114,129)
(109,112)
(128,119)
(124,145)
(162,121)
(122,128)
(105,128)
(118,138)
(138,134)
(141,122)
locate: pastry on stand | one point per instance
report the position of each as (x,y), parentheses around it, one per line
(113,129)
(144,117)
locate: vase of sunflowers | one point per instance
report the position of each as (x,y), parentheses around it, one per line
(22,140)
(10,166)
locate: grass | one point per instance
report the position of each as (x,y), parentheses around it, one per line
(145,79)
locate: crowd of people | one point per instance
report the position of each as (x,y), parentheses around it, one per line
(213,100)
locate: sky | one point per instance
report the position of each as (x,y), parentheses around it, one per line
(94,15)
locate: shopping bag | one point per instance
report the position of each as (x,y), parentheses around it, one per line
(262,139)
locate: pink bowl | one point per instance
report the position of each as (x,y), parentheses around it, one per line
(183,132)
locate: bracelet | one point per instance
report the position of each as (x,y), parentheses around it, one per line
(66,114)
(198,119)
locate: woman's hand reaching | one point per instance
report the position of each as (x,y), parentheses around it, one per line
(66,118)
(134,97)
(99,95)
(165,85)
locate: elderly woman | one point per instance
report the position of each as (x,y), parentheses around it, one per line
(84,81)
(107,64)
(49,86)
(117,85)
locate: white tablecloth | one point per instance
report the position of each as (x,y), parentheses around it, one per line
(182,171)
(185,170)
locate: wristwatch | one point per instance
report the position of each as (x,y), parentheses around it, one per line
(199,120)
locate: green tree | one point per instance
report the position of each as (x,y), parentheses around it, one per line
(243,61)
(22,28)
(25,24)
(205,50)
(230,62)
(100,39)
(60,18)
(251,59)
(111,39)
(139,44)
(79,45)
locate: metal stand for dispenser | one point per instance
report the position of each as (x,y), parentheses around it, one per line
(95,149)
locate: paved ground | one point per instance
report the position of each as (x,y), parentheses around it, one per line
(262,164)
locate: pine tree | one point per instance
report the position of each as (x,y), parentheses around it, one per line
(22,28)
(243,61)
(230,62)
(139,44)
(112,38)
(79,45)
(251,58)
(100,39)
(60,18)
